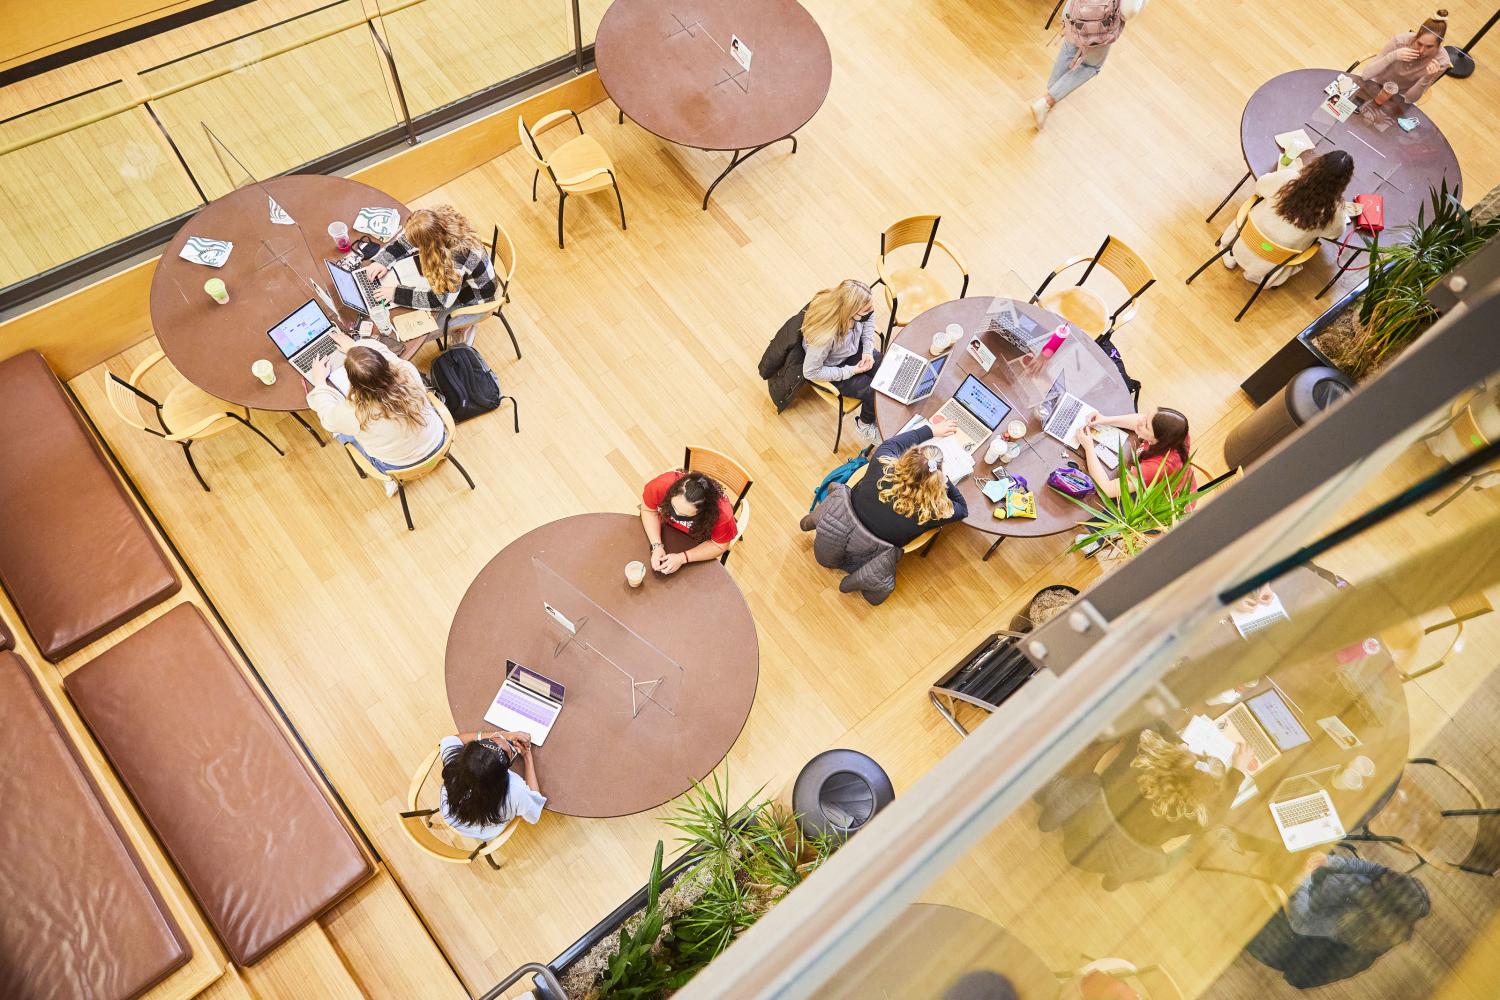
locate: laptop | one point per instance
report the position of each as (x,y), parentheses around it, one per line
(1020,335)
(977,410)
(353,284)
(1259,618)
(1305,820)
(1266,725)
(906,376)
(527,702)
(303,336)
(1064,413)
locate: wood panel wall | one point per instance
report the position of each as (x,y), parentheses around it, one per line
(80,330)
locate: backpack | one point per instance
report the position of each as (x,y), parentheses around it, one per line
(1090,23)
(465,382)
(1132,386)
(841,474)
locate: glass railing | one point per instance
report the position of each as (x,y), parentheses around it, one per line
(1270,775)
(96,177)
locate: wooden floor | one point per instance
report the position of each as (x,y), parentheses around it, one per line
(639,342)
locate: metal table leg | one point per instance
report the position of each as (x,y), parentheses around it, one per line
(737,159)
(993,547)
(298,417)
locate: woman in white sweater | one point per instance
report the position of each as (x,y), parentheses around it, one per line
(386,414)
(1298,207)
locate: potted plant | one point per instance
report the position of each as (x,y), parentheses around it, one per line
(1121,527)
(1393,310)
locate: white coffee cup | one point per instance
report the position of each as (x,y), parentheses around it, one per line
(1349,779)
(997,447)
(263,370)
(635,572)
(1363,765)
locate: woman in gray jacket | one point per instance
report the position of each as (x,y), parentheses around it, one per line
(838,335)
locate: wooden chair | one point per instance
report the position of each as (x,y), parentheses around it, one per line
(1084,309)
(418,822)
(1404,641)
(1464,839)
(578,166)
(401,477)
(1282,257)
(911,291)
(732,476)
(843,405)
(922,544)
(184,415)
(503,257)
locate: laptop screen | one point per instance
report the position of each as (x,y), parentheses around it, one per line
(929,377)
(980,400)
(301,328)
(346,286)
(1276,716)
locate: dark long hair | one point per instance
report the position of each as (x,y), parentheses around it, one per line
(1310,201)
(703,493)
(1171,430)
(476,778)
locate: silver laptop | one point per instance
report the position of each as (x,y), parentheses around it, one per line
(977,410)
(1266,725)
(353,284)
(1308,819)
(303,336)
(906,376)
(1019,334)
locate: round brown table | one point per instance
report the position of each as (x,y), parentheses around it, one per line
(1092,377)
(1399,166)
(1379,718)
(931,947)
(599,760)
(667,66)
(213,346)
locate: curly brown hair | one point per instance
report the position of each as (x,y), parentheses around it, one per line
(702,492)
(1310,201)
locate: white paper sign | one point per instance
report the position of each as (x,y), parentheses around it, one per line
(202,250)
(740,51)
(380,223)
(278,214)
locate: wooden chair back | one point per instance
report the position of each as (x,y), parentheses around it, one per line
(529,144)
(1266,248)
(415,471)
(127,401)
(909,232)
(418,821)
(503,256)
(131,403)
(720,467)
(1116,257)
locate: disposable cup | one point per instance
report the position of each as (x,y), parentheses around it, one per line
(635,572)
(263,370)
(216,290)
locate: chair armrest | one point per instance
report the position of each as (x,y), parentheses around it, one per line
(953,256)
(554,119)
(151,360)
(1059,269)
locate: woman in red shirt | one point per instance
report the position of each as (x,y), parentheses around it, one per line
(694,504)
(1161,449)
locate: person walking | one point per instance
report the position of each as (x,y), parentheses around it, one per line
(1090,28)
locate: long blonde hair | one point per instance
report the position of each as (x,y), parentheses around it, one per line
(440,233)
(914,485)
(380,390)
(1176,782)
(834,310)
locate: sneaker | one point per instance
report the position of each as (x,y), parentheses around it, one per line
(390,487)
(1039,111)
(1228,260)
(867,432)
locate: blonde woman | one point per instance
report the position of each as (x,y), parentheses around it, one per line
(455,265)
(838,337)
(1164,791)
(905,491)
(386,414)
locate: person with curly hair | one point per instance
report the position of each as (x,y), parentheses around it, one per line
(905,492)
(455,266)
(1298,206)
(1413,60)
(695,505)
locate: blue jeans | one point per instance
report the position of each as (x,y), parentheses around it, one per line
(379,465)
(1066,77)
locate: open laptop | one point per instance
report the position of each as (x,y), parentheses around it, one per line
(1266,725)
(906,376)
(1308,819)
(353,284)
(977,410)
(304,336)
(1259,618)
(1019,335)
(1065,413)
(527,702)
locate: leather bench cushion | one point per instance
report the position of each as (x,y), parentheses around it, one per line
(78,915)
(75,555)
(244,820)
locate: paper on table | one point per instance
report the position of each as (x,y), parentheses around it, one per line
(279,214)
(414,324)
(202,250)
(1295,143)
(380,223)
(957,463)
(1203,736)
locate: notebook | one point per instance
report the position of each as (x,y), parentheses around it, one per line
(527,702)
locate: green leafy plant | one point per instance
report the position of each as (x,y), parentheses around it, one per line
(1127,523)
(1394,309)
(636,971)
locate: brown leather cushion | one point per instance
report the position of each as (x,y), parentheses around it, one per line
(78,915)
(247,825)
(75,556)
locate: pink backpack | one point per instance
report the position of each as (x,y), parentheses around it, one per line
(1091,23)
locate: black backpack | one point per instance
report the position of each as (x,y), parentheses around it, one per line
(465,382)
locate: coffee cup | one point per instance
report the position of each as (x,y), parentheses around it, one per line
(996,449)
(635,572)
(1363,765)
(263,370)
(216,290)
(1015,430)
(1348,779)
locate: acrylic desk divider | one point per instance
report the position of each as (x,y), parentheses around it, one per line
(612,652)
(739,76)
